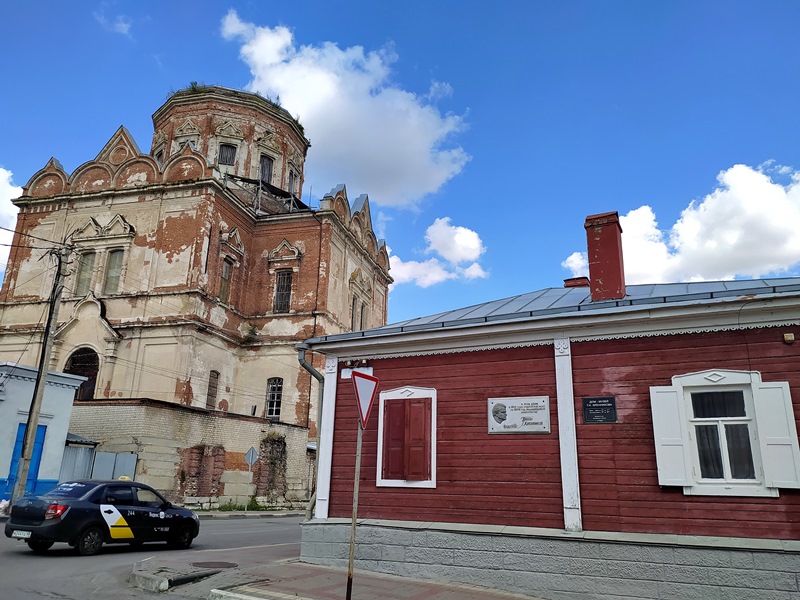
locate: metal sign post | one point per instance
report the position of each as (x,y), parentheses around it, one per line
(365,387)
(250,457)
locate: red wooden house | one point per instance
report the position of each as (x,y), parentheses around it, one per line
(592,441)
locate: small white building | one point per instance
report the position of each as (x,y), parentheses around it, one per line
(16,392)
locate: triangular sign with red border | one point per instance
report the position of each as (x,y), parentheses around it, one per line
(365,387)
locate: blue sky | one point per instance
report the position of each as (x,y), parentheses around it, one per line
(483,134)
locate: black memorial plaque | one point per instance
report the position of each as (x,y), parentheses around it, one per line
(600,410)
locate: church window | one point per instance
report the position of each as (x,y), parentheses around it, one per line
(227,154)
(213,386)
(113,271)
(283,291)
(85,270)
(274,397)
(86,363)
(266,165)
(225,280)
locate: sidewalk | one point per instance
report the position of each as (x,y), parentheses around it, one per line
(252,579)
(301,581)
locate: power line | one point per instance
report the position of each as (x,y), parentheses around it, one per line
(35,237)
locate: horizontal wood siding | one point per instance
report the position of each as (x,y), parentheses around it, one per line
(617,463)
(508,479)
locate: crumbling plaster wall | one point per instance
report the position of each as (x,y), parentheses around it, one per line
(163,435)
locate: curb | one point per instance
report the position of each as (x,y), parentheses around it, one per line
(226,595)
(163,581)
(248,515)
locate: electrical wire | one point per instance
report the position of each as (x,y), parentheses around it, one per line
(35,237)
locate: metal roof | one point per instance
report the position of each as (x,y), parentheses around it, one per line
(563,302)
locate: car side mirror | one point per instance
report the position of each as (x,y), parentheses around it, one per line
(166,505)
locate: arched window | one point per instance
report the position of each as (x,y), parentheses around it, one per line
(83,280)
(213,386)
(84,362)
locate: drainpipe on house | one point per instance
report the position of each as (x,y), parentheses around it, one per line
(301,358)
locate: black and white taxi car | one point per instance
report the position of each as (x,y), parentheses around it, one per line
(87,514)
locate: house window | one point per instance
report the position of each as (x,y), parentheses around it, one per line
(363,316)
(85,270)
(213,387)
(227,154)
(160,157)
(225,280)
(265,168)
(113,271)
(725,433)
(292,178)
(274,397)
(407,438)
(283,291)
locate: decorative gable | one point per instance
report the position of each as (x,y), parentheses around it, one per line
(119,148)
(361,281)
(284,252)
(233,241)
(187,129)
(228,129)
(117,227)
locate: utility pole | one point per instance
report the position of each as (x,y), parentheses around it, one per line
(48,335)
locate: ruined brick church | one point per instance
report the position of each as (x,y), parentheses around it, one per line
(195,269)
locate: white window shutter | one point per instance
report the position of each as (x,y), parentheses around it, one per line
(671,437)
(777,434)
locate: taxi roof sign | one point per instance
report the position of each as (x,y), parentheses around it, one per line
(365,387)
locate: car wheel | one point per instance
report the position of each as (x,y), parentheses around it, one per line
(39,546)
(183,538)
(89,541)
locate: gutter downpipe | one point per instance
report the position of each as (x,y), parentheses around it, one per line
(301,358)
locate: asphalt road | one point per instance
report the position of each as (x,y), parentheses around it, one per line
(62,575)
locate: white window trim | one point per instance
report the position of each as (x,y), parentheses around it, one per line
(776,453)
(406,393)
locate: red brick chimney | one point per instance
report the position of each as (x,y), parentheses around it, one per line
(604,245)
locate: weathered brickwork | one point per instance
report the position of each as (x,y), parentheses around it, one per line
(198,458)
(179,258)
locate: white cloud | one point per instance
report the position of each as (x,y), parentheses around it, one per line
(8,214)
(423,274)
(454,244)
(474,271)
(365,130)
(119,24)
(749,226)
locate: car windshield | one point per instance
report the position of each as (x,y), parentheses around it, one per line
(71,489)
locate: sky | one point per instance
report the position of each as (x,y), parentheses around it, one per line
(484,134)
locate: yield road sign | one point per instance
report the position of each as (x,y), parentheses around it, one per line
(251,457)
(365,387)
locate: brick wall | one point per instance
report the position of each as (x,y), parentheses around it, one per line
(197,456)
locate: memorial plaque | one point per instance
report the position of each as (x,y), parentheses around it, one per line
(600,410)
(529,414)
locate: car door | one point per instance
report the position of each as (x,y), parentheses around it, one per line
(150,509)
(118,509)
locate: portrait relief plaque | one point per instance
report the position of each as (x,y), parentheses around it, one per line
(529,414)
